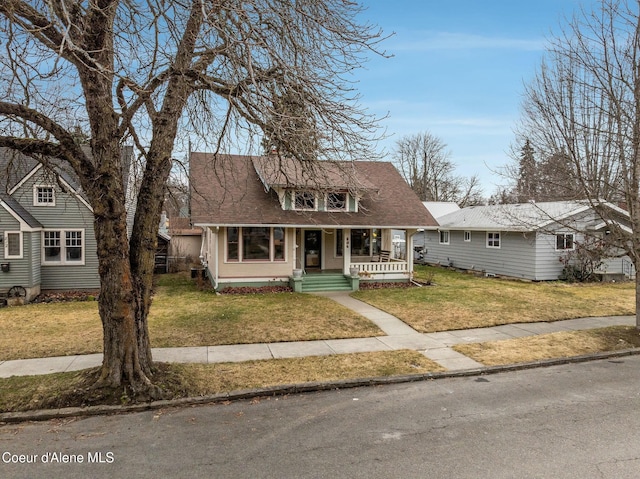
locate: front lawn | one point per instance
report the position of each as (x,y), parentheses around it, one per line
(461,301)
(181,315)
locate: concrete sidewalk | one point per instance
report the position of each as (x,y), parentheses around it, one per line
(398,335)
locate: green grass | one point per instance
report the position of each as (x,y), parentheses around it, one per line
(461,301)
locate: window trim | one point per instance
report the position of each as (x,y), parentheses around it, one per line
(272,246)
(499,239)
(294,193)
(6,245)
(345,207)
(36,196)
(564,235)
(63,247)
(467,236)
(440,237)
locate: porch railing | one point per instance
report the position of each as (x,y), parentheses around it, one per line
(384,267)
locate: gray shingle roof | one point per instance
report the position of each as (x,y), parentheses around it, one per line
(512,217)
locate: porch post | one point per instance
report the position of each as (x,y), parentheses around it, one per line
(346,250)
(409,244)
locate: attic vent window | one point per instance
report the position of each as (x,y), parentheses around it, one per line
(336,201)
(304,200)
(44,196)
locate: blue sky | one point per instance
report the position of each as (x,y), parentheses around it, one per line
(458,71)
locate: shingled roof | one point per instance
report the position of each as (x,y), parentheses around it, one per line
(227,190)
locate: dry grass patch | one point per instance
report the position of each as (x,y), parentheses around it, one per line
(563,344)
(462,301)
(181,315)
(192,380)
(56,329)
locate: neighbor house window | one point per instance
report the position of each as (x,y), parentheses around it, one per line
(13,245)
(63,247)
(44,196)
(256,244)
(564,241)
(304,200)
(444,237)
(336,201)
(467,236)
(493,239)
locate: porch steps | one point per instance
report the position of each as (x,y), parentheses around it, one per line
(325,282)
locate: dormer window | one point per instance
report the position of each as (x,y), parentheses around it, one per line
(336,201)
(304,200)
(44,196)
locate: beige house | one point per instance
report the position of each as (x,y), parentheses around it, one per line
(322,225)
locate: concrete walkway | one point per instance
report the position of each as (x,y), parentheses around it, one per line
(398,335)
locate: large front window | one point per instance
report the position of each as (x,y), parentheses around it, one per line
(63,247)
(255,244)
(365,242)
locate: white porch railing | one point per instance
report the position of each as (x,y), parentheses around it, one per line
(381,268)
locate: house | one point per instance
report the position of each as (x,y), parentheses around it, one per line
(46,228)
(266,219)
(520,240)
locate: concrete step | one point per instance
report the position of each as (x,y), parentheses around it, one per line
(325,282)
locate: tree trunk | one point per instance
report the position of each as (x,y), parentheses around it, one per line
(127,359)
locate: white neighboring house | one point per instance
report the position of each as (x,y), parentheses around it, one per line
(524,240)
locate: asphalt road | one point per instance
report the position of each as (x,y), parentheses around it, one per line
(571,421)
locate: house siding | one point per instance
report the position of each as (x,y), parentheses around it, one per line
(515,257)
(68,213)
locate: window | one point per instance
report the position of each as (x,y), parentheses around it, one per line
(44,196)
(51,245)
(444,237)
(338,243)
(278,243)
(304,200)
(73,245)
(365,242)
(336,201)
(493,239)
(256,244)
(12,245)
(63,247)
(564,241)
(467,236)
(233,249)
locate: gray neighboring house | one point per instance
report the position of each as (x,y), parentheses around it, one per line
(520,240)
(46,229)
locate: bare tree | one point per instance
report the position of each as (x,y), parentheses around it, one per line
(583,110)
(426,166)
(143,72)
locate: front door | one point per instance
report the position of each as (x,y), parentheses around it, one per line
(312,249)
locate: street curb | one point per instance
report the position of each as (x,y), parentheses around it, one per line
(283,390)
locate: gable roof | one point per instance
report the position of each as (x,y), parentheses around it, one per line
(440,208)
(18,211)
(515,217)
(227,190)
(279,172)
